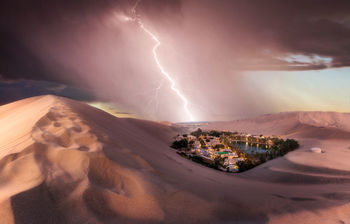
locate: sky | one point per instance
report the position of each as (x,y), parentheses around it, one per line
(230,58)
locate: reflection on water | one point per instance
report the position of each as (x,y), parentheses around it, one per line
(250,148)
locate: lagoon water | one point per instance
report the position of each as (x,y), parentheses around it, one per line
(248,148)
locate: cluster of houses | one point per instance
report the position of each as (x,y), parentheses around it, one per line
(206,148)
(213,148)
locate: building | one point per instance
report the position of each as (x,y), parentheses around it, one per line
(233,168)
(208,160)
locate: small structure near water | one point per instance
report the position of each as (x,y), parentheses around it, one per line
(316,150)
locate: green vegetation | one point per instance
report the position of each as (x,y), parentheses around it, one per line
(245,165)
(280,148)
(203,144)
(218,161)
(219,146)
(191,143)
(183,143)
(197,133)
(214,133)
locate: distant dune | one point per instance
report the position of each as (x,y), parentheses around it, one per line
(300,124)
(62,161)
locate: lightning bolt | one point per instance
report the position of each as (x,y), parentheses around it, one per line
(137,18)
(154,99)
(157,93)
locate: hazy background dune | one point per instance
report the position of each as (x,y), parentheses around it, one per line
(305,124)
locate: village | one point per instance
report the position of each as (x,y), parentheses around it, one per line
(227,151)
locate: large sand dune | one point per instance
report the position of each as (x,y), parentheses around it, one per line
(62,161)
(303,124)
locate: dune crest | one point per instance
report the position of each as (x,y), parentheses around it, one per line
(65,157)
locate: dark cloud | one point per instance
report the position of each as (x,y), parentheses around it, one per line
(249,28)
(204,43)
(254,33)
(21,21)
(16,90)
(81,43)
(18,61)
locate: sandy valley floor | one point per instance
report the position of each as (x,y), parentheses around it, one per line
(62,161)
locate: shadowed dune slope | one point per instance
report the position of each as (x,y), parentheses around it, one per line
(62,161)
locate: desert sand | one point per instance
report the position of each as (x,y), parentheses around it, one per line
(62,161)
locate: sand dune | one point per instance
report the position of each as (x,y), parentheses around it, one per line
(319,125)
(62,161)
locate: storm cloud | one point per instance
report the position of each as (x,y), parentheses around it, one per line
(206,45)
